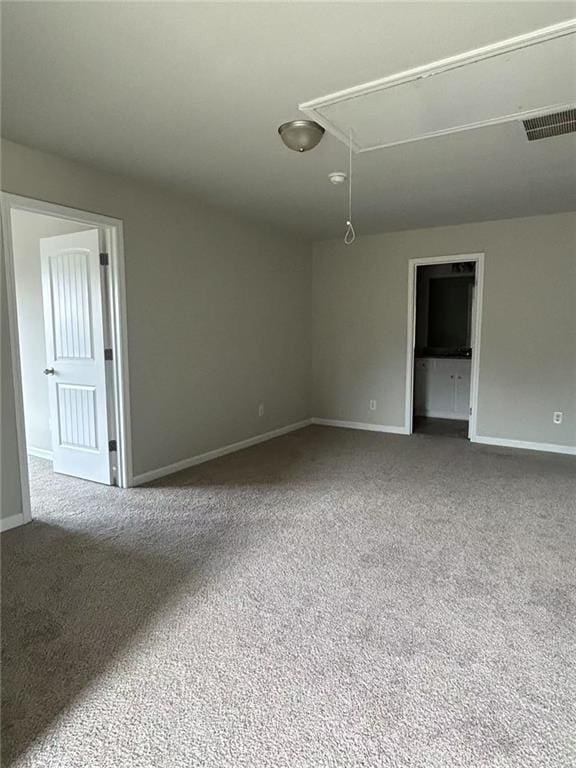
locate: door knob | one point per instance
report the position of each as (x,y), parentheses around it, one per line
(49,371)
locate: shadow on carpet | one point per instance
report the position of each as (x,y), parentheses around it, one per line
(71,603)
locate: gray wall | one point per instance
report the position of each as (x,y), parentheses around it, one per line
(219,317)
(218,310)
(27,229)
(528,352)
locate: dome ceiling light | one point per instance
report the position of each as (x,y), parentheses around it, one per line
(337,177)
(301,135)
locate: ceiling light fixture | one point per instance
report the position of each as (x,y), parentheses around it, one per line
(337,177)
(301,135)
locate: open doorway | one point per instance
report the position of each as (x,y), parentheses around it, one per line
(443,346)
(67,321)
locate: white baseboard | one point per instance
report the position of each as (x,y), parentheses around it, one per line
(505,443)
(443,415)
(547,447)
(12,522)
(41,453)
(360,425)
(170,469)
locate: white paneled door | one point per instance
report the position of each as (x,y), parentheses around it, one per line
(75,361)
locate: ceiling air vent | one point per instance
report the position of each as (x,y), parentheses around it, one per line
(556,124)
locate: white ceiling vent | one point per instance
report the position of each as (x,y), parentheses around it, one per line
(546,126)
(516,79)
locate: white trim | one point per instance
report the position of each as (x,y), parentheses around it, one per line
(312,109)
(526,445)
(6,523)
(178,466)
(496,441)
(113,230)
(40,453)
(360,425)
(476,331)
(119,312)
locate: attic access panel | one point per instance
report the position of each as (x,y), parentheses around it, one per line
(515,79)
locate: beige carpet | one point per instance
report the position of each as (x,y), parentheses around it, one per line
(331,599)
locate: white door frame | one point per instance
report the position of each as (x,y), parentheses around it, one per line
(114,240)
(413,264)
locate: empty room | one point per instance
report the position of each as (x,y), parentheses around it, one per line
(288,384)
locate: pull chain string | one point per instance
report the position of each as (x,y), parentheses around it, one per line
(350,235)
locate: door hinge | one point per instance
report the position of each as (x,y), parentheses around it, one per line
(104,260)
(112,445)
(108,354)
(470,409)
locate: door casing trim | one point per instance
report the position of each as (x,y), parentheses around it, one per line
(114,240)
(413,264)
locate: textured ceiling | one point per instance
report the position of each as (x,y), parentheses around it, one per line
(189,95)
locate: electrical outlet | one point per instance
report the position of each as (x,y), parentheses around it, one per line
(261,409)
(557,417)
(372,405)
